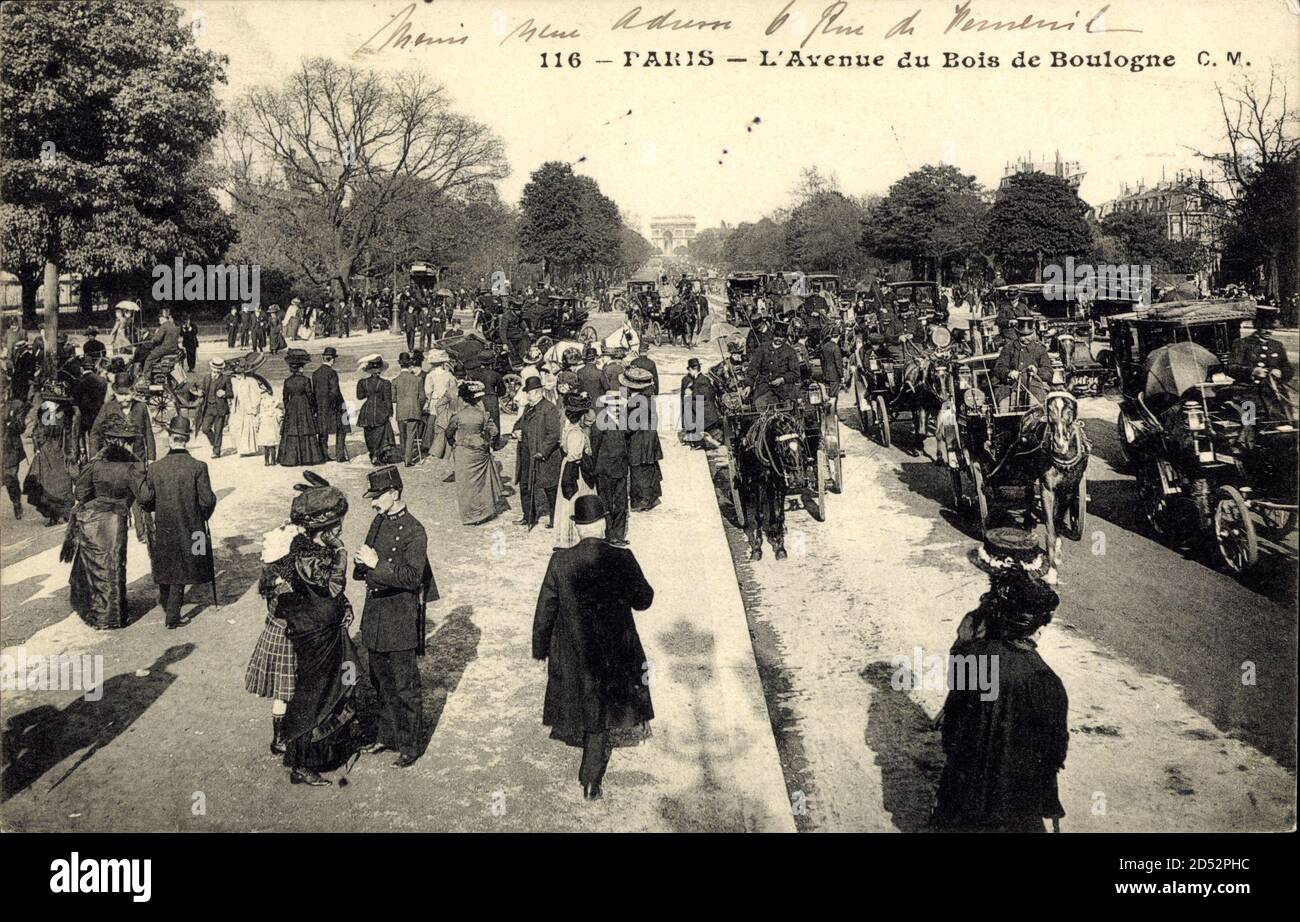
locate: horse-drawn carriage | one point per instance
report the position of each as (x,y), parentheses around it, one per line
(781,456)
(1064,324)
(1022,440)
(743,291)
(470,350)
(560,316)
(915,382)
(1215,458)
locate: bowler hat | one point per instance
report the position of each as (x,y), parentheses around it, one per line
(179,426)
(404,360)
(330,353)
(383,479)
(122,382)
(533,383)
(588,509)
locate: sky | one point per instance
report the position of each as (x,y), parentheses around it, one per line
(727,142)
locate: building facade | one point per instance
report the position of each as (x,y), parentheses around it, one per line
(1069,170)
(672,234)
(1185,203)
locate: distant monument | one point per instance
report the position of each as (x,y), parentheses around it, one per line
(672,233)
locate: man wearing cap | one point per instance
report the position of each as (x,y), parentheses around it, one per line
(179,494)
(1260,355)
(394,565)
(214,404)
(1005,721)
(1021,356)
(583,628)
(776,369)
(538,455)
(331,419)
(644,361)
(376,413)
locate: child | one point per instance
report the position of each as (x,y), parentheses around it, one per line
(270,413)
(272,667)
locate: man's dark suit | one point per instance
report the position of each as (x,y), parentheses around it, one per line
(179,494)
(609,462)
(329,411)
(591,380)
(88,393)
(214,407)
(393,624)
(596,667)
(539,435)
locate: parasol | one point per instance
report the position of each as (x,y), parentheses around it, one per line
(1171,370)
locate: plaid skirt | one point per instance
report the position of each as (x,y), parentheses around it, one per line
(272,666)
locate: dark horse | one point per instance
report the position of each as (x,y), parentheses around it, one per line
(770,465)
(923,388)
(679,322)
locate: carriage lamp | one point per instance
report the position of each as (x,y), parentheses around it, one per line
(1195,416)
(973,398)
(963,378)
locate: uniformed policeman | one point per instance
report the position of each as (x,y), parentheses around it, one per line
(1021,355)
(776,369)
(399,581)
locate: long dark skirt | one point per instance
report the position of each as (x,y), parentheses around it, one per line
(644,485)
(48,483)
(98,535)
(300,450)
(317,725)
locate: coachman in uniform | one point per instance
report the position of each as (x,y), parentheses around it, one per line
(776,369)
(394,565)
(179,494)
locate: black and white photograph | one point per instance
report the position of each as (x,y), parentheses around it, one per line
(586,416)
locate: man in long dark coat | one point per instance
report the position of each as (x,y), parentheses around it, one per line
(538,456)
(591,380)
(609,463)
(643,449)
(583,627)
(329,406)
(394,565)
(88,393)
(178,493)
(214,404)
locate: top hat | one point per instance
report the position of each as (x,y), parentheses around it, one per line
(296,358)
(533,383)
(588,509)
(179,426)
(781,328)
(329,353)
(636,378)
(317,505)
(382,480)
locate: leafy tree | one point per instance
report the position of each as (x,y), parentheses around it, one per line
(106,111)
(757,246)
(707,246)
(569,226)
(1140,235)
(822,233)
(1036,217)
(321,165)
(932,216)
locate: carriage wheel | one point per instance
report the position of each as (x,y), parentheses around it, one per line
(977,475)
(958,500)
(882,419)
(1080,509)
(1234,531)
(733,478)
(818,509)
(620,304)
(589,335)
(1155,507)
(544,344)
(834,457)
(1123,427)
(652,332)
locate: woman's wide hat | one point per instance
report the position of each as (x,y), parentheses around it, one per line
(121,429)
(372,362)
(1007,548)
(296,358)
(251,362)
(317,505)
(636,379)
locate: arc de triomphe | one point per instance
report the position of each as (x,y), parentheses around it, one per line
(672,233)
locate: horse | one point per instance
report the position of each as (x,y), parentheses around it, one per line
(679,322)
(1061,462)
(770,464)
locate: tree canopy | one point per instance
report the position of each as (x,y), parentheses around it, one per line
(932,216)
(1037,217)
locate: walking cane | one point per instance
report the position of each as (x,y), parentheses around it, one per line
(212,556)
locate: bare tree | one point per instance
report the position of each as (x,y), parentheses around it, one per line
(1260,130)
(323,163)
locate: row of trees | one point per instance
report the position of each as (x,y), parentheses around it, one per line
(116,156)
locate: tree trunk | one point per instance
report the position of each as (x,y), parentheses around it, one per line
(85,299)
(29,285)
(51,318)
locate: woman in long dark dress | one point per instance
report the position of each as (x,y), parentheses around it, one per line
(97,533)
(480,495)
(299,436)
(307,583)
